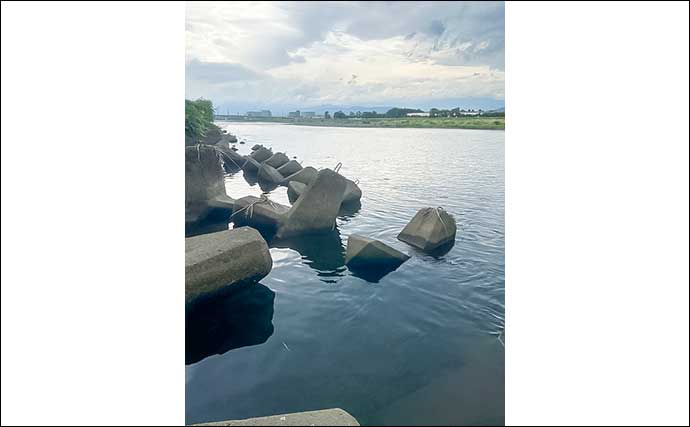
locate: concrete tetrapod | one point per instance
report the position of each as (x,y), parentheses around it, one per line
(269,174)
(289,168)
(251,165)
(431,230)
(316,209)
(259,212)
(277,160)
(227,258)
(372,259)
(262,154)
(295,189)
(305,176)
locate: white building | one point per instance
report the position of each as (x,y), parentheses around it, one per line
(417,114)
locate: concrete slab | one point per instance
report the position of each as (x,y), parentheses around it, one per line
(325,417)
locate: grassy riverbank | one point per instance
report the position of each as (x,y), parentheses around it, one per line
(497,123)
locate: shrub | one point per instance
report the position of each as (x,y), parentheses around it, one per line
(198,118)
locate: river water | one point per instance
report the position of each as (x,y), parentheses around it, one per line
(422,345)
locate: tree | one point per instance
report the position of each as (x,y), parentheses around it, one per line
(339,115)
(400,112)
(326,115)
(198,118)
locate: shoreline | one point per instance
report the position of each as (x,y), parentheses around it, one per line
(385,123)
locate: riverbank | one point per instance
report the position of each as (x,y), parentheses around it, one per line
(484,123)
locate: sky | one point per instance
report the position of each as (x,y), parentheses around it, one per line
(287,55)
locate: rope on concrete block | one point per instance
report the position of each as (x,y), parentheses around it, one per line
(250,207)
(441,219)
(337,167)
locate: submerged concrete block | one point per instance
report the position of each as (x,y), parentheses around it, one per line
(316,209)
(371,259)
(289,168)
(226,258)
(256,147)
(269,174)
(324,417)
(262,154)
(277,160)
(306,176)
(259,212)
(366,252)
(430,229)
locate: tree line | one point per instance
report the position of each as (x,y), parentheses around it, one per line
(402,112)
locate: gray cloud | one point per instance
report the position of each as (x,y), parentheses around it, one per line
(219,72)
(326,52)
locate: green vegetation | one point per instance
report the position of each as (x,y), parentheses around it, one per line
(198,118)
(467,122)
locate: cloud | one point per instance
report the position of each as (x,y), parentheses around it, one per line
(344,52)
(218,72)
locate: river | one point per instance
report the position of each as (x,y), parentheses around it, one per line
(422,345)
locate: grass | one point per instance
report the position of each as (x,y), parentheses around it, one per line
(497,123)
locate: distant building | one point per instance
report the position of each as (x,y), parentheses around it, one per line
(308,114)
(262,113)
(470,113)
(417,114)
(294,114)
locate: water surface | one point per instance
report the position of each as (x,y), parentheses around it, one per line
(422,345)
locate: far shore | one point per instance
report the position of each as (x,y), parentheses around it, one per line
(482,122)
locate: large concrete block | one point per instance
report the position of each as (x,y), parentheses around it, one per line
(365,252)
(305,176)
(277,160)
(204,180)
(227,258)
(316,209)
(262,154)
(251,165)
(352,193)
(269,174)
(372,259)
(259,212)
(289,168)
(294,190)
(431,229)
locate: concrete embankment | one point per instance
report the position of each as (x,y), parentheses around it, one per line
(325,417)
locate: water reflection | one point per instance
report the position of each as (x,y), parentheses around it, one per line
(231,319)
(372,273)
(322,252)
